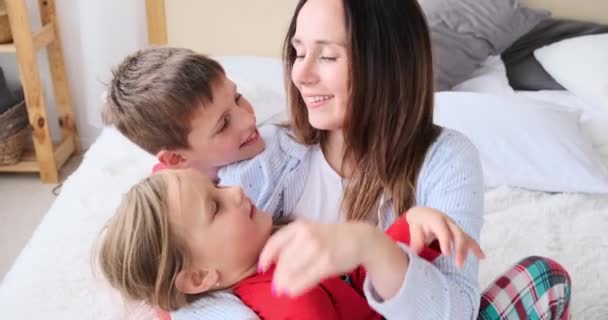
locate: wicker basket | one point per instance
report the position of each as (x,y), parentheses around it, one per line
(14,134)
(12,148)
(5,26)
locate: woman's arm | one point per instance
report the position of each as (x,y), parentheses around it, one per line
(451,181)
(218,306)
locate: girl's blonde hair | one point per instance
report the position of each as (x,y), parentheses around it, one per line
(139,254)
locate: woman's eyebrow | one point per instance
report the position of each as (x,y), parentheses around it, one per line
(296,41)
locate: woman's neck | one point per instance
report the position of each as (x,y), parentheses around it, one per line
(333,149)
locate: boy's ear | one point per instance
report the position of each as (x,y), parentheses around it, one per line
(195,281)
(171,159)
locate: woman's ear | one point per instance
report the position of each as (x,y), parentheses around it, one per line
(171,159)
(196,281)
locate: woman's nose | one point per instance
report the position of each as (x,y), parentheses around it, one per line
(304,72)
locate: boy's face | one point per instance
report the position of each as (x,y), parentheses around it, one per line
(222,132)
(220,226)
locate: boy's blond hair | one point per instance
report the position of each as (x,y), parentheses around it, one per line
(139,254)
(154,94)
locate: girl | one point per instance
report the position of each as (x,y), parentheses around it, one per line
(176,236)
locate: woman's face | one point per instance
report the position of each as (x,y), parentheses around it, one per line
(320,71)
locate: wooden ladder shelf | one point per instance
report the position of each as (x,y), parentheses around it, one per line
(47,158)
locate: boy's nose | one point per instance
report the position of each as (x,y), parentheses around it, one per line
(245,119)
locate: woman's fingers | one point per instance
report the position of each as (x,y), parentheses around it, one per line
(477,249)
(294,284)
(460,244)
(444,235)
(294,261)
(416,238)
(463,243)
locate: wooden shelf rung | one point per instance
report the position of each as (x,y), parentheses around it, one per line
(8,47)
(28,163)
(45,36)
(63,151)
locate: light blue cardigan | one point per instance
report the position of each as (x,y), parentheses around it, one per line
(450,180)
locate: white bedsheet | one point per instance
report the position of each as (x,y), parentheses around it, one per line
(53,277)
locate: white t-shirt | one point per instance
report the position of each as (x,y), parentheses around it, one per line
(322,196)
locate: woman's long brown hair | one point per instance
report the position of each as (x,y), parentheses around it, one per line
(389,123)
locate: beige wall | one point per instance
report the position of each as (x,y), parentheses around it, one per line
(589,10)
(229,27)
(257,27)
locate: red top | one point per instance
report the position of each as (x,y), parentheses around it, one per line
(333,298)
(158,167)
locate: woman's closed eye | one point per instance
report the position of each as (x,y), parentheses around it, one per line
(329,59)
(237,97)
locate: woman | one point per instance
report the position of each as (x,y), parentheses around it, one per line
(360,88)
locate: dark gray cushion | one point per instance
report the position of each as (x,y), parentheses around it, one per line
(8,98)
(465,32)
(523,70)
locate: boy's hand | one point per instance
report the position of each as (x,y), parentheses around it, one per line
(427,225)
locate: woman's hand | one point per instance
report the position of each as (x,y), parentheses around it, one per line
(306,253)
(427,225)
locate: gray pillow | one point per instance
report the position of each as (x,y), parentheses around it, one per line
(523,70)
(465,32)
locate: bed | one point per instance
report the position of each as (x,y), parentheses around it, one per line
(54,277)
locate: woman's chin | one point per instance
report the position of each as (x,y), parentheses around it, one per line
(324,123)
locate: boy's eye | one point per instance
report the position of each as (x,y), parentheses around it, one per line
(225,123)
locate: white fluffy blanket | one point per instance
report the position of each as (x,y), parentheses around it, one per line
(53,278)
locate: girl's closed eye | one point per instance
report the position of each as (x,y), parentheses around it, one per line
(329,59)
(216,208)
(237,97)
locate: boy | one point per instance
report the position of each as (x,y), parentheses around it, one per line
(180,106)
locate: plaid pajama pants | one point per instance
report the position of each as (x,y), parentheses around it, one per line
(535,288)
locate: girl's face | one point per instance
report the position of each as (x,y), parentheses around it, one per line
(220,227)
(320,71)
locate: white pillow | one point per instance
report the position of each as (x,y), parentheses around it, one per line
(267,104)
(524,143)
(580,65)
(593,120)
(260,80)
(490,77)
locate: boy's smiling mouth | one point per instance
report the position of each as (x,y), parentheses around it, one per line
(253,137)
